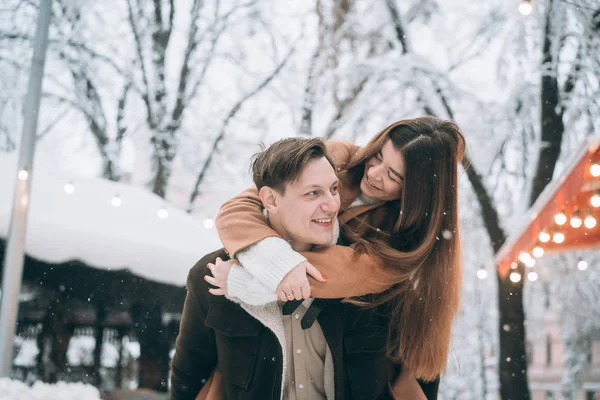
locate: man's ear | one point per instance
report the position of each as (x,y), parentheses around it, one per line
(268,196)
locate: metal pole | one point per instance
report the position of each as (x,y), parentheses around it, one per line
(13,258)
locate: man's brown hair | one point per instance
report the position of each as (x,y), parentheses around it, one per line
(282,162)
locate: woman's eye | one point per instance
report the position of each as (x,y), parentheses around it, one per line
(334,190)
(393,180)
(313,193)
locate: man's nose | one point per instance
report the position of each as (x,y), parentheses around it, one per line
(331,203)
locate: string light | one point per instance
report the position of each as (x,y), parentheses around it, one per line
(595,169)
(558,237)
(481,273)
(538,251)
(23,174)
(544,237)
(523,257)
(595,199)
(116,200)
(525,7)
(515,277)
(560,218)
(576,220)
(69,188)
(208,223)
(162,213)
(530,263)
(532,276)
(589,220)
(582,265)
(513,265)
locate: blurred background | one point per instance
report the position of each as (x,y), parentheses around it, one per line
(151,110)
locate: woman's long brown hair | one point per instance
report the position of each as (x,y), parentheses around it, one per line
(417,238)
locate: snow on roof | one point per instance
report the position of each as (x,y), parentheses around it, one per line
(12,389)
(85,226)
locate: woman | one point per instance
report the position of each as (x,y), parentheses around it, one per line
(399,218)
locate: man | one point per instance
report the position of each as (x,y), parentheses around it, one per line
(256,352)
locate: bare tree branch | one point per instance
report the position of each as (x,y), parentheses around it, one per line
(191,46)
(121,127)
(138,46)
(52,124)
(70,42)
(398,27)
(309,96)
(343,107)
(213,44)
(232,113)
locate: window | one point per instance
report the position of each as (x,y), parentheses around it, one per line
(591,396)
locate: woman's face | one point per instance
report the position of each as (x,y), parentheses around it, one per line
(384,174)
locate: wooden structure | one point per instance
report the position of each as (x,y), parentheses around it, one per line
(565,216)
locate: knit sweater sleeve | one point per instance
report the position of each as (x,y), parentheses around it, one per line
(270,260)
(243,287)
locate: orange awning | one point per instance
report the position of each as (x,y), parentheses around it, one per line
(571,193)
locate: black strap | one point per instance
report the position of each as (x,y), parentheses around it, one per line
(290,306)
(310,316)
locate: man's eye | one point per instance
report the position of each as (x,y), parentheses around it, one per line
(334,190)
(313,193)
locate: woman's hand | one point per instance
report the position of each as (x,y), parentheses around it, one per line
(220,272)
(295,285)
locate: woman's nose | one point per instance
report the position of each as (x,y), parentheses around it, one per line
(375,173)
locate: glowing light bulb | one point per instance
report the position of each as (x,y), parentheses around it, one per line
(23,174)
(532,276)
(523,257)
(576,220)
(208,223)
(595,200)
(116,200)
(513,265)
(162,213)
(589,221)
(530,263)
(538,252)
(525,7)
(558,237)
(69,188)
(482,274)
(595,169)
(515,277)
(560,218)
(544,237)
(582,265)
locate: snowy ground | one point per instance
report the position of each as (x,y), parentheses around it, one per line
(17,390)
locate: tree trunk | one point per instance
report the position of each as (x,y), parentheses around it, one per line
(513,360)
(161,177)
(513,374)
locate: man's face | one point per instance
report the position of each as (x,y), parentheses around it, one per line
(308,208)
